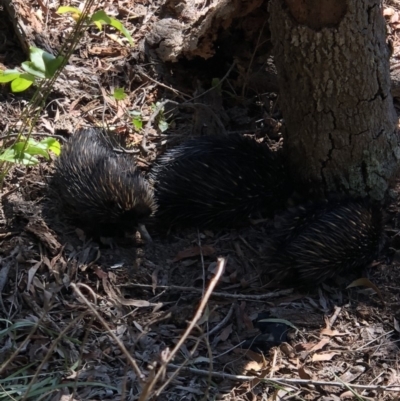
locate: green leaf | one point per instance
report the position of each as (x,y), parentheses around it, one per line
(216,84)
(42,63)
(14,155)
(8,75)
(8,155)
(39,58)
(29,148)
(30,68)
(162,125)
(137,120)
(52,144)
(119,94)
(53,65)
(68,9)
(22,83)
(118,25)
(98,25)
(101,18)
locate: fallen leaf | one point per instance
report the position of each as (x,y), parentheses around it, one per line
(331,333)
(303,374)
(323,357)
(364,282)
(253,365)
(321,344)
(225,333)
(205,250)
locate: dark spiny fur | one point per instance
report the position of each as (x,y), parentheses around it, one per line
(218,181)
(100,188)
(318,241)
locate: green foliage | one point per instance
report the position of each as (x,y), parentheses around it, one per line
(119,94)
(43,68)
(160,119)
(41,65)
(26,150)
(137,120)
(99,18)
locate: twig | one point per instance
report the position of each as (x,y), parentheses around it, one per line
(332,320)
(162,370)
(375,339)
(133,363)
(303,382)
(178,93)
(10,135)
(219,83)
(214,294)
(222,322)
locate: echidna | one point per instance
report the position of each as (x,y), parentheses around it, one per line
(320,240)
(100,188)
(218,181)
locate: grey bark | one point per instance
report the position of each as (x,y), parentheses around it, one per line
(335,97)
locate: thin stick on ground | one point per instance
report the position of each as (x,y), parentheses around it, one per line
(179,288)
(133,363)
(147,391)
(280,381)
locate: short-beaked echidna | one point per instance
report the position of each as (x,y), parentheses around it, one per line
(218,181)
(320,240)
(101,189)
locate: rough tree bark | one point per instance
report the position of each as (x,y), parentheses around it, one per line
(333,70)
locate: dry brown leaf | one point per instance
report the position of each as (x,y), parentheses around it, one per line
(206,250)
(347,395)
(303,374)
(327,356)
(396,325)
(100,273)
(350,375)
(154,280)
(226,332)
(331,333)
(364,282)
(288,350)
(320,345)
(255,366)
(304,347)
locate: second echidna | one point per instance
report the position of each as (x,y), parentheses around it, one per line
(218,181)
(320,240)
(100,188)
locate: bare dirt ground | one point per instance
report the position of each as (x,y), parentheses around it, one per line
(145,296)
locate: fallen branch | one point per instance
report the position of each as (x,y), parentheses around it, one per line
(179,288)
(281,381)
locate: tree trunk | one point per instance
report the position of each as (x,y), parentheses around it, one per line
(333,70)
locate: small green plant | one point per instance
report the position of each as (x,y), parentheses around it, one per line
(160,119)
(137,120)
(119,94)
(99,18)
(25,151)
(43,69)
(41,65)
